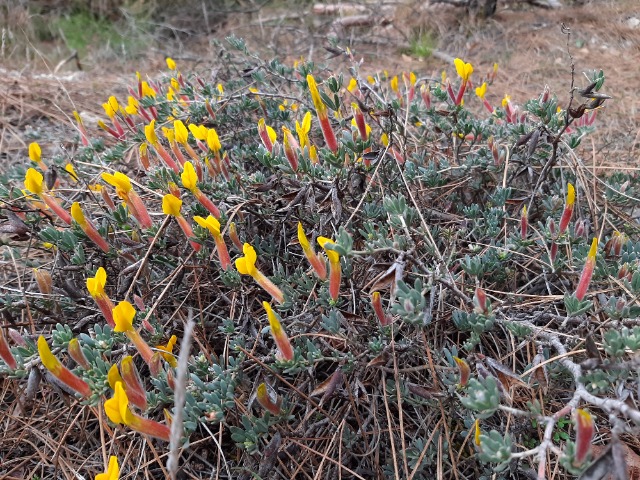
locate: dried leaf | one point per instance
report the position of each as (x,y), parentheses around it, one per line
(379,360)
(426,393)
(328,387)
(600,467)
(539,374)
(270,456)
(506,376)
(15,225)
(619,471)
(591,347)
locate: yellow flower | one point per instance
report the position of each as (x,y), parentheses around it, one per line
(49,361)
(120,181)
(150,133)
(481,91)
(113,376)
(170,94)
(182,134)
(78,216)
(220,89)
(113,470)
(278,333)
(247,265)
(175,84)
(371,80)
(332,255)
(171,205)
(463,69)
(169,134)
(315,96)
(213,140)
(117,407)
(35,153)
(69,169)
(353,85)
(96,284)
(147,91)
(111,107)
(571,194)
(171,63)
(198,131)
(132,106)
(506,100)
(394,84)
(189,177)
(33,181)
(302,238)
(123,314)
(384,139)
(303,130)
(271,133)
(210,223)
(167,351)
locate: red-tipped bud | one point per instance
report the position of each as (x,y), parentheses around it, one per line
(282,341)
(75,351)
(5,352)
(233,235)
(376,301)
(524,223)
(585,429)
(44,281)
(568,208)
(463,370)
(262,395)
(587,271)
(480,301)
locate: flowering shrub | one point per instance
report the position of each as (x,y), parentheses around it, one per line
(390,276)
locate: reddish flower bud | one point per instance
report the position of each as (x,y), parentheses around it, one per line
(585,429)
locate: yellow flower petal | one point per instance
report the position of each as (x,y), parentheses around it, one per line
(481,90)
(113,471)
(50,362)
(171,205)
(213,140)
(118,180)
(113,376)
(210,223)
(198,131)
(189,179)
(96,284)
(150,133)
(182,134)
(33,181)
(394,83)
(302,238)
(123,314)
(571,194)
(78,216)
(332,255)
(171,63)
(35,153)
(247,265)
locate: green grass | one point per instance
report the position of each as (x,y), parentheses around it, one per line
(422,44)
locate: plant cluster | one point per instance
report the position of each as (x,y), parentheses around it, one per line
(372,262)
